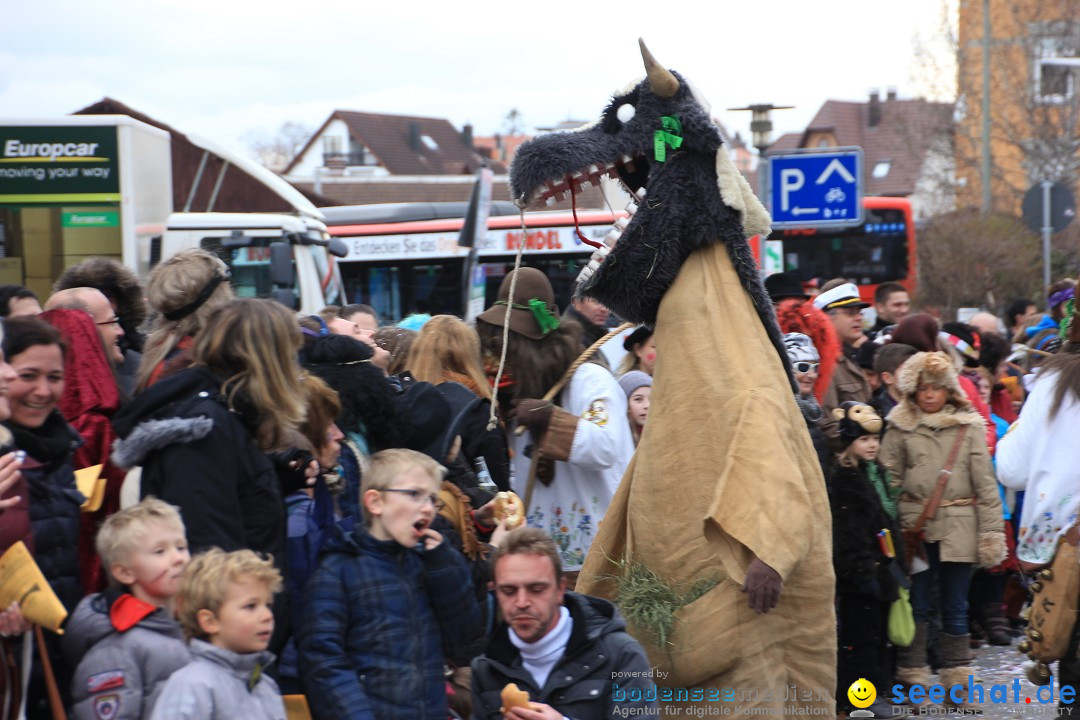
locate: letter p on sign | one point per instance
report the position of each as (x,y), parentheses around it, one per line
(791,179)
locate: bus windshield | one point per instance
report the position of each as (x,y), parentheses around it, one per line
(876,251)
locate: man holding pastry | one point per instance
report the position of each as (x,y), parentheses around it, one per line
(556,655)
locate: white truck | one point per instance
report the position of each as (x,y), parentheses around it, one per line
(284,257)
(81,186)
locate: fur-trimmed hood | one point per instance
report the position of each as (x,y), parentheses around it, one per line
(935,368)
(908,416)
(155,419)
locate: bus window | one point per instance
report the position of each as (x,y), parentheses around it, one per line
(331,290)
(250,268)
(871,253)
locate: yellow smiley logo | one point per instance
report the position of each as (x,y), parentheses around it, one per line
(862,693)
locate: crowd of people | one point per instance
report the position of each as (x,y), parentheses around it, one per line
(303,511)
(309,511)
(924,484)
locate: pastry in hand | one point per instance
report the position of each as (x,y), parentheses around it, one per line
(508,507)
(512,696)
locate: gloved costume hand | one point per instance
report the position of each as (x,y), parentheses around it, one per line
(535,415)
(763,585)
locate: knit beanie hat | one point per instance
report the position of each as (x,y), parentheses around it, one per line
(633,380)
(856,419)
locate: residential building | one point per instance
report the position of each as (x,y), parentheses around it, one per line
(1034,108)
(359,158)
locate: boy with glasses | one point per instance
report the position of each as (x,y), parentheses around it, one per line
(385,601)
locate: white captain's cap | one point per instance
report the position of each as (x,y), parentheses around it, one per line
(846,295)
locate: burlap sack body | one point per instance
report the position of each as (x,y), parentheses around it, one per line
(726,469)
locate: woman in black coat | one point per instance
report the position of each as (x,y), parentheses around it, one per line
(203,434)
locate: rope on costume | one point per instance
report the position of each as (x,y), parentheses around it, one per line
(581,360)
(492,420)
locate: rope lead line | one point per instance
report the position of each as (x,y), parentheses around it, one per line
(492,420)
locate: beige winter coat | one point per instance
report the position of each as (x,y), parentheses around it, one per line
(968,522)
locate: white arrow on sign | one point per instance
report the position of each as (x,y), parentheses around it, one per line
(835,167)
(796,211)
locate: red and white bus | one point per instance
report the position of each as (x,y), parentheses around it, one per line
(416,265)
(881,249)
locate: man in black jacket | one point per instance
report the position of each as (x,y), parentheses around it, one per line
(570,652)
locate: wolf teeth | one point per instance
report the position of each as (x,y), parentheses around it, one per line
(632,207)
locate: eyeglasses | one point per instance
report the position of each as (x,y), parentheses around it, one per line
(420,497)
(805,367)
(114,321)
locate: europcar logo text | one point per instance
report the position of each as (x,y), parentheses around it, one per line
(977,693)
(18,151)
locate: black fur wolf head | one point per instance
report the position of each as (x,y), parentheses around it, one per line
(659,139)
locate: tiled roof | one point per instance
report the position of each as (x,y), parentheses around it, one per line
(510,144)
(238,191)
(395,142)
(787,141)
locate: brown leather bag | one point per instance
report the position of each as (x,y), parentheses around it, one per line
(913,536)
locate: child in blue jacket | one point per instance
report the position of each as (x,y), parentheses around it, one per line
(386,602)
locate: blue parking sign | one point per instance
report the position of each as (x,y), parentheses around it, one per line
(815,188)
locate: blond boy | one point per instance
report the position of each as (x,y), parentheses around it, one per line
(385,601)
(125,641)
(226,611)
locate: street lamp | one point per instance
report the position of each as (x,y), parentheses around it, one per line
(761,124)
(761,136)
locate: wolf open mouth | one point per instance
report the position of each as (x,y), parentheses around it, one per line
(631,172)
(658,139)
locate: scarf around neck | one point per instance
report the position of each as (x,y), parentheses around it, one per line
(539,658)
(880,484)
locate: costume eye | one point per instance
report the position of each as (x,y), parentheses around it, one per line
(619,111)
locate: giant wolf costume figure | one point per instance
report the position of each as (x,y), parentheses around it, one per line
(725,472)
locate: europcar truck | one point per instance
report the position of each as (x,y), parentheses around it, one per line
(82,186)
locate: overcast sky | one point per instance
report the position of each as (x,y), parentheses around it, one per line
(226,68)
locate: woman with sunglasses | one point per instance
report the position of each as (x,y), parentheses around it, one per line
(805,363)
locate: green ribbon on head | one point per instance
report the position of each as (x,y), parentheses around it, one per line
(539,309)
(670,136)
